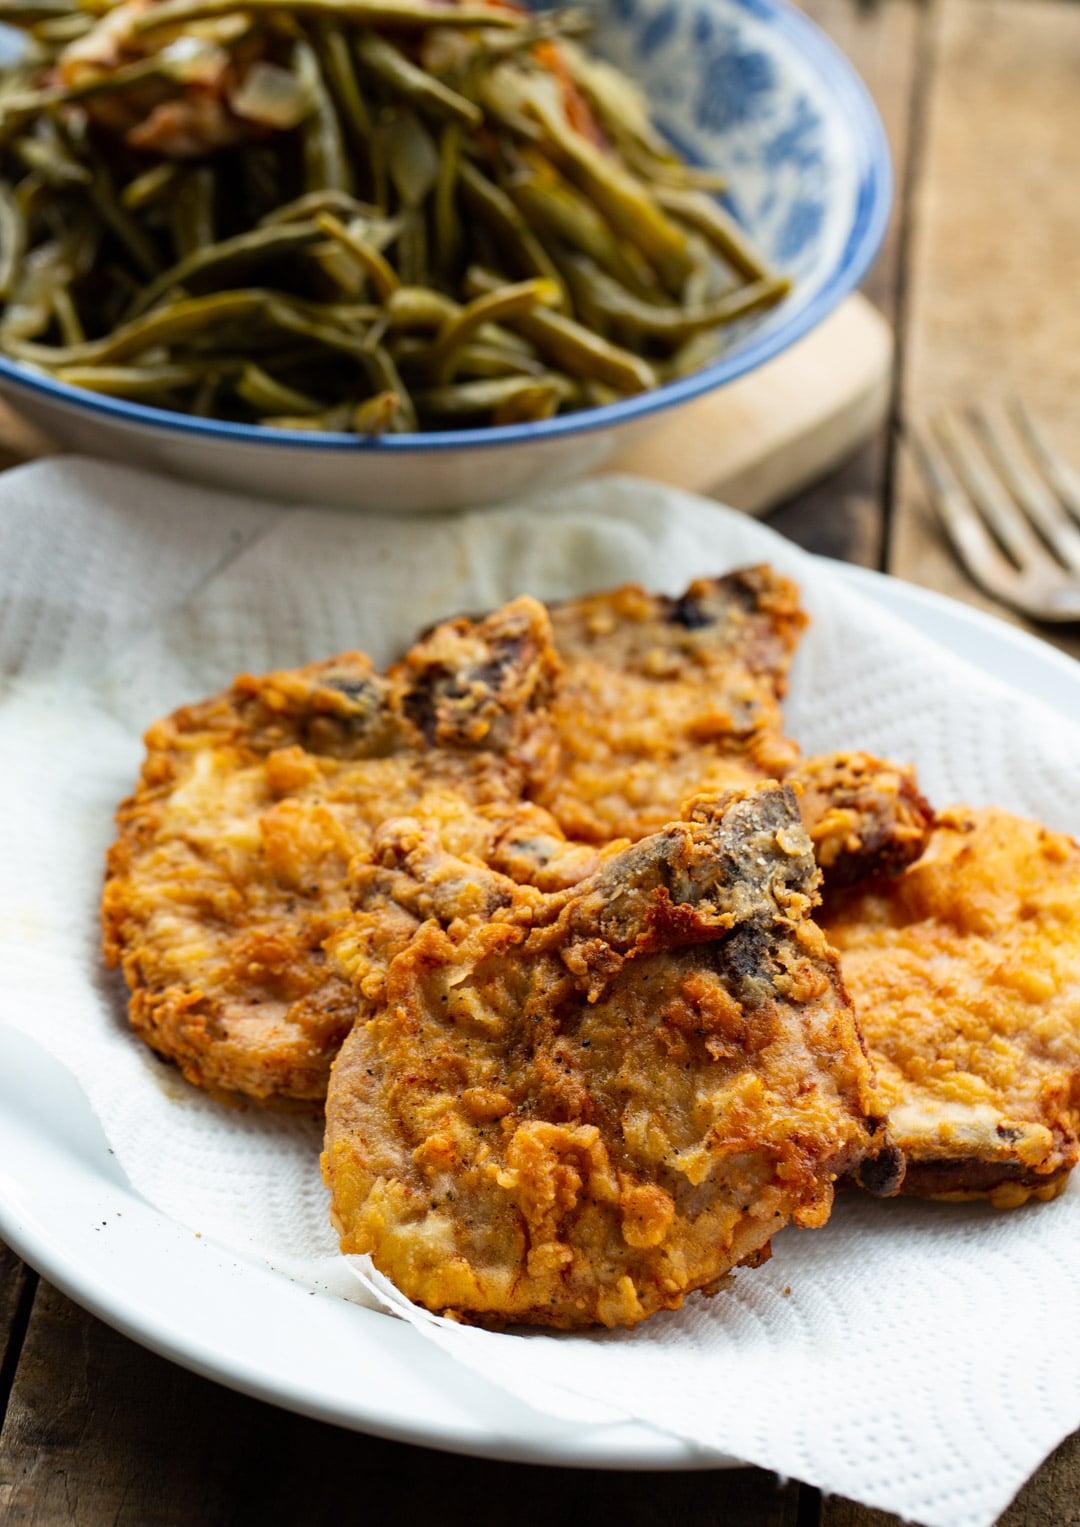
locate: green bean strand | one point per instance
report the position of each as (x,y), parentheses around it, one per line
(245,249)
(572,346)
(393,13)
(14,236)
(507,303)
(391,66)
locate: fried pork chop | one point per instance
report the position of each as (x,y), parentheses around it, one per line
(230,869)
(661,699)
(965,973)
(575,1108)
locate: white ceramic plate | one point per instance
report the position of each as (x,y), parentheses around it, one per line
(68,1210)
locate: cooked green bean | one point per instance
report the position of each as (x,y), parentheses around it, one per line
(130,381)
(392,13)
(449,234)
(150,186)
(51,163)
(63,29)
(334,53)
(532,401)
(675,324)
(508,302)
(265,393)
(700,286)
(130,233)
(383,373)
(721,230)
(560,211)
(21,13)
(473,360)
(49,96)
(192,212)
(518,244)
(467,399)
(627,202)
(40,275)
(326,163)
(391,66)
(572,347)
(333,421)
(698,351)
(374,416)
(67,317)
(419,307)
(381,273)
(164,326)
(245,250)
(331,336)
(534,27)
(308,206)
(453,215)
(14,236)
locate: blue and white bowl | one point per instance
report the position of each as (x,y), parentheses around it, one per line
(750,86)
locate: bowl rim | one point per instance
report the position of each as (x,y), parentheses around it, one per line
(873,204)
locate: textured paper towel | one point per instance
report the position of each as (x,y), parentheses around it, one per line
(927,1357)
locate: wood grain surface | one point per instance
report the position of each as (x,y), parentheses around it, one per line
(102,1433)
(991,302)
(845,516)
(981,99)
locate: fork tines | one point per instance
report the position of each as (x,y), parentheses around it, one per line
(1009,504)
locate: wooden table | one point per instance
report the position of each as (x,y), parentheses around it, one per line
(982,102)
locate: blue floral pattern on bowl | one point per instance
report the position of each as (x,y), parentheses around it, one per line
(728,89)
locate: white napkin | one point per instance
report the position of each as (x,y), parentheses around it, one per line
(919,1357)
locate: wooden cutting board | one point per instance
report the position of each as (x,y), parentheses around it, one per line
(767,436)
(752,443)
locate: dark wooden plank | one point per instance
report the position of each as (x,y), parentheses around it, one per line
(13,1277)
(1050,1499)
(991,306)
(882,41)
(838,1512)
(100,1431)
(17,1285)
(844,515)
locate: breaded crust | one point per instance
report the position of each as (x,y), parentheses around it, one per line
(230,870)
(965,974)
(576,1108)
(230,881)
(661,699)
(866,818)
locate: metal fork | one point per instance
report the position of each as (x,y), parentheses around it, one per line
(1008,503)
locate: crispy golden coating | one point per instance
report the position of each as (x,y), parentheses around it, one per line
(229,880)
(230,869)
(575,1108)
(865,817)
(661,699)
(965,974)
